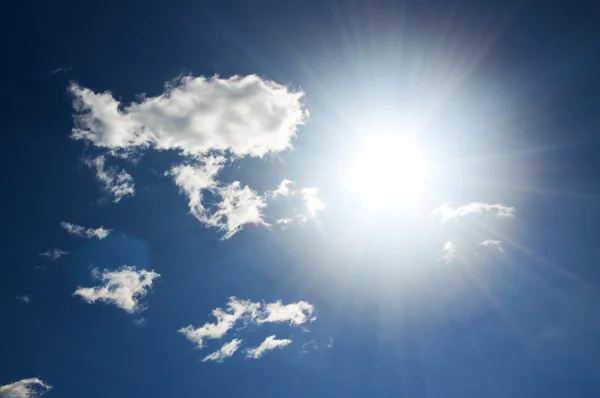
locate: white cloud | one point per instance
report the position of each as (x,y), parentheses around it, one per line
(446,213)
(123,288)
(450,251)
(295,313)
(78,230)
(244,114)
(495,244)
(192,180)
(119,184)
(236,309)
(140,321)
(54,254)
(312,204)
(284,221)
(270,343)
(239,206)
(246,310)
(283,189)
(26,388)
(24,298)
(224,352)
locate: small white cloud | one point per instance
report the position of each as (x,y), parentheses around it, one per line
(243,114)
(26,388)
(283,189)
(238,207)
(54,254)
(450,252)
(494,244)
(312,204)
(270,343)
(192,180)
(123,288)
(78,230)
(284,221)
(224,352)
(295,313)
(330,345)
(118,184)
(236,309)
(140,321)
(446,213)
(24,298)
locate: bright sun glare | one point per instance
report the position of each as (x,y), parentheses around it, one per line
(390,170)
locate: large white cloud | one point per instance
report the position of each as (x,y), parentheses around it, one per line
(26,388)
(78,230)
(243,114)
(446,212)
(236,309)
(245,310)
(118,184)
(270,343)
(226,351)
(123,288)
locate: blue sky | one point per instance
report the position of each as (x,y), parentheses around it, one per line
(328,198)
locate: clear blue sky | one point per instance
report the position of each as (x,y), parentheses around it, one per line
(404,194)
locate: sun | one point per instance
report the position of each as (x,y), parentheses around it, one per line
(389,170)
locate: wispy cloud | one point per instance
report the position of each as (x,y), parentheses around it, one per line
(494,244)
(236,309)
(123,288)
(283,189)
(24,298)
(313,204)
(78,230)
(224,352)
(243,114)
(446,212)
(118,184)
(270,343)
(140,321)
(450,252)
(245,310)
(54,254)
(26,388)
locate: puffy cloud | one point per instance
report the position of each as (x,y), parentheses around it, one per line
(446,213)
(494,244)
(238,207)
(450,251)
(243,114)
(312,204)
(54,254)
(26,388)
(283,189)
(118,184)
(24,298)
(123,288)
(224,352)
(78,230)
(246,310)
(295,313)
(236,309)
(270,343)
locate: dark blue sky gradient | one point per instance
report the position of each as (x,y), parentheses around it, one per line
(524,324)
